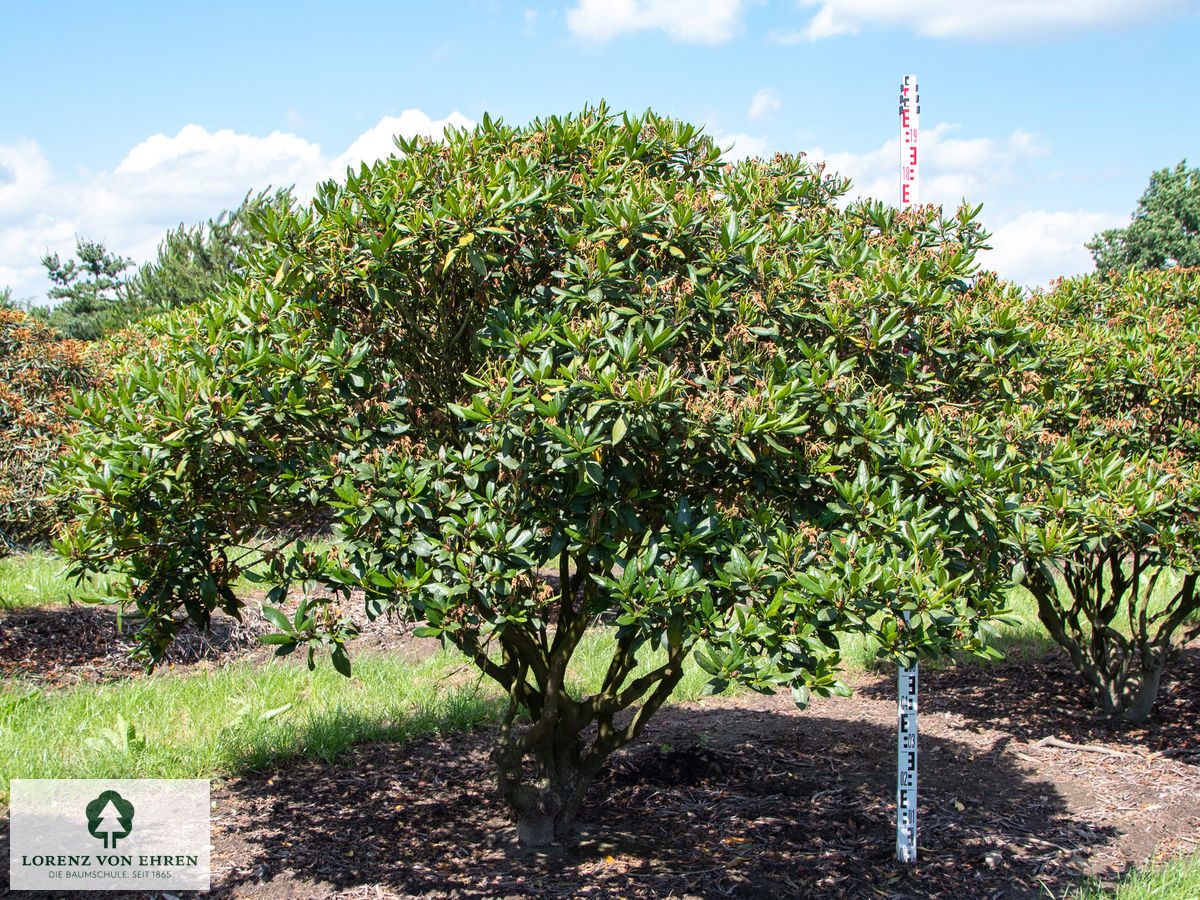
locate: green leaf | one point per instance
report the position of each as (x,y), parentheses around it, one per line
(620,427)
(341,660)
(274,713)
(278,619)
(801,695)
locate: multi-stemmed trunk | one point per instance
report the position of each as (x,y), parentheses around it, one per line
(1123,672)
(545,767)
(543,774)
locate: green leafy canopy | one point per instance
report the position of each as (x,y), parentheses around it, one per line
(577,374)
(1164,229)
(1111,510)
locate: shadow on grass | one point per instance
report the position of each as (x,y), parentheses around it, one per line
(767,805)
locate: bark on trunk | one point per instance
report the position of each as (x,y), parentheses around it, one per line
(1122,675)
(546,802)
(545,770)
(1139,704)
(533,670)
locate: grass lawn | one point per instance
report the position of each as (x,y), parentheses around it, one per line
(249,715)
(32,579)
(1176,880)
(237,717)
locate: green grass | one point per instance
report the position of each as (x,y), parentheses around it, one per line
(36,577)
(32,578)
(590,663)
(249,716)
(1022,636)
(243,716)
(1176,880)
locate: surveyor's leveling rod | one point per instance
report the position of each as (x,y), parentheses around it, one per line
(906,738)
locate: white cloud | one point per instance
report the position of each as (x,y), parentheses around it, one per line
(24,176)
(951,168)
(740,145)
(688,21)
(1039,245)
(1030,248)
(377,143)
(161,172)
(765,102)
(996,19)
(30,221)
(161,182)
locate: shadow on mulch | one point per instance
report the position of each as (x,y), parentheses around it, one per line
(715,803)
(1049,699)
(70,644)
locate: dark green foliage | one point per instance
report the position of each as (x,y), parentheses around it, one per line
(1165,227)
(734,418)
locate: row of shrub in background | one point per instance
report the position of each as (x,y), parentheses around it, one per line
(1115,469)
(38,371)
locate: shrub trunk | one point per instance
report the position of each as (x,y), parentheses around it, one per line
(544,768)
(1122,671)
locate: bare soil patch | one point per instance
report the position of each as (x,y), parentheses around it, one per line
(748,797)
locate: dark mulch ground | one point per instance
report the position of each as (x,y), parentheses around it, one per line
(59,646)
(52,645)
(748,797)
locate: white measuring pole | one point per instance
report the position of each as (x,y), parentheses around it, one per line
(906,733)
(910,112)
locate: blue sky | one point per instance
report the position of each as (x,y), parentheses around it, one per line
(120,120)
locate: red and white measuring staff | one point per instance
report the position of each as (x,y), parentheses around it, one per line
(906,735)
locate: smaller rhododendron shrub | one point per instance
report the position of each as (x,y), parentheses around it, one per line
(1109,541)
(578,375)
(38,371)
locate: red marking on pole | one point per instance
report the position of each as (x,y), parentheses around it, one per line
(906,682)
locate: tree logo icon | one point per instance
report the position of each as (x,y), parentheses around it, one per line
(110,817)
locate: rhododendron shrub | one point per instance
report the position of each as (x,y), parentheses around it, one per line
(38,371)
(1108,543)
(578,375)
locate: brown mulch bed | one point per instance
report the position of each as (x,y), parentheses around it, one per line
(749,797)
(59,646)
(62,646)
